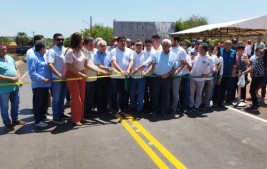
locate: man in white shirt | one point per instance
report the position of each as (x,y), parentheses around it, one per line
(149,52)
(122,60)
(156,42)
(185,81)
(138,82)
(259,44)
(202,67)
(181,56)
(208,86)
(56,63)
(192,50)
(90,90)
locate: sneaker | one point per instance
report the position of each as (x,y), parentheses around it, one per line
(59,121)
(9,127)
(173,114)
(41,124)
(64,117)
(18,122)
(48,119)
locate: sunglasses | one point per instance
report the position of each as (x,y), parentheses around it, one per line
(138,45)
(60,40)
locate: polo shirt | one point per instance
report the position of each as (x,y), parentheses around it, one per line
(202,65)
(164,62)
(8,68)
(229,60)
(57,58)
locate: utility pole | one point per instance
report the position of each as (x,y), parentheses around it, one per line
(91,25)
(33,32)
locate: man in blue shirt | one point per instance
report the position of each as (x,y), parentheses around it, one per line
(102,84)
(164,64)
(41,82)
(56,63)
(229,62)
(9,74)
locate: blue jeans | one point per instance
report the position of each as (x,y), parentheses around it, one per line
(14,100)
(140,85)
(59,90)
(185,99)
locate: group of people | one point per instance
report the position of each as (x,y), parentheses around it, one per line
(164,77)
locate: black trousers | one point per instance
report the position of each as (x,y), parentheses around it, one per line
(40,102)
(226,86)
(118,89)
(102,93)
(148,91)
(255,84)
(161,89)
(89,100)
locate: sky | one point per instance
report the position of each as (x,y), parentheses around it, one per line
(66,16)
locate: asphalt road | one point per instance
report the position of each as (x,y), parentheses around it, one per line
(223,139)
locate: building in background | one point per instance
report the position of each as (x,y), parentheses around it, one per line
(142,30)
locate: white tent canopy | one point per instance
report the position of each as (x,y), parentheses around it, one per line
(245,27)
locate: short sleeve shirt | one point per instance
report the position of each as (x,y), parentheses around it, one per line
(57,58)
(8,68)
(76,58)
(122,58)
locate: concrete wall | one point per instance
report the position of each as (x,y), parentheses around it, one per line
(142,30)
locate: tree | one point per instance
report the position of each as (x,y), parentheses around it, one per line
(22,39)
(191,22)
(67,42)
(98,30)
(5,40)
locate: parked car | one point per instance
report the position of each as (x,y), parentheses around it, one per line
(22,50)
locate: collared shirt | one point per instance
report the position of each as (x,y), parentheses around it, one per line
(57,58)
(164,62)
(102,59)
(229,60)
(90,58)
(122,58)
(38,70)
(201,65)
(139,58)
(8,68)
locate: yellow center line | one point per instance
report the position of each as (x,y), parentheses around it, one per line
(156,143)
(142,143)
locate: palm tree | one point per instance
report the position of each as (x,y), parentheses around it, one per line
(22,39)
